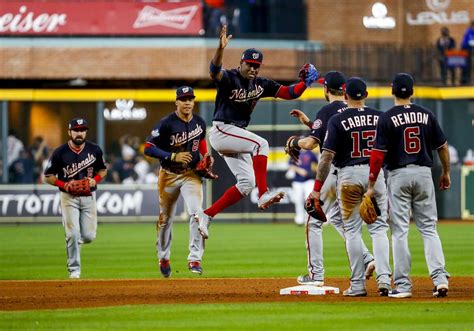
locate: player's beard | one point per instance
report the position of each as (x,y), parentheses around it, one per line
(78,141)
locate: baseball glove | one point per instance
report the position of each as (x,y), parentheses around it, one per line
(308,74)
(292,148)
(369,209)
(79,187)
(204,168)
(313,208)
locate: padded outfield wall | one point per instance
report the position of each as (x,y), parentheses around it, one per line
(46,112)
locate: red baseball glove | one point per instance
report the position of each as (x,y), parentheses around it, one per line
(204,167)
(78,187)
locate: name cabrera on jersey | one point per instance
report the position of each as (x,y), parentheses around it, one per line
(323,116)
(173,135)
(236,96)
(408,134)
(67,164)
(351,136)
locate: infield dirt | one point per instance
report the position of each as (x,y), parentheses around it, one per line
(55,294)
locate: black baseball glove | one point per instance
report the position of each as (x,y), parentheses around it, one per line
(292,148)
(313,208)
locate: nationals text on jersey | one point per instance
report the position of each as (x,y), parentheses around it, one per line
(73,169)
(182,137)
(244,95)
(410,118)
(360,120)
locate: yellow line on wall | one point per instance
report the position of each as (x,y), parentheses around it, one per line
(167,95)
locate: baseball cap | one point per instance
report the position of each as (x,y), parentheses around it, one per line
(184,91)
(402,85)
(252,55)
(78,123)
(356,88)
(333,80)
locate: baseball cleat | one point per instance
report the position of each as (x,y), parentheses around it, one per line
(354,293)
(441,290)
(195,267)
(269,198)
(203,224)
(399,295)
(76,274)
(307,280)
(369,269)
(165,268)
(384,289)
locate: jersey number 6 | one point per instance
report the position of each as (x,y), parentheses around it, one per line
(368,136)
(410,140)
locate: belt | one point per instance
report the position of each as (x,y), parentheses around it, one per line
(177,171)
(231,123)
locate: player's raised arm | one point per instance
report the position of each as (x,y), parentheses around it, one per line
(308,74)
(216,62)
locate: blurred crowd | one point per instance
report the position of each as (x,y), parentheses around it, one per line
(126,162)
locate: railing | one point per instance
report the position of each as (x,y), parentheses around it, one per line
(378,63)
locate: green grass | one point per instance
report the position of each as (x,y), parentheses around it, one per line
(234,250)
(253,316)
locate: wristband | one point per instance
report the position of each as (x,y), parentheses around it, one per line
(59,183)
(97,178)
(318,185)
(309,124)
(213,69)
(173,156)
(295,145)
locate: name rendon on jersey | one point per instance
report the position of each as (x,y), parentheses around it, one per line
(360,120)
(410,118)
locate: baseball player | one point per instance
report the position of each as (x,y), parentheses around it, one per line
(302,174)
(334,85)
(406,135)
(178,141)
(238,91)
(350,136)
(77,159)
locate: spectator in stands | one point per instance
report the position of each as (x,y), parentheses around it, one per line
(123,169)
(39,151)
(214,16)
(142,168)
(14,147)
(126,149)
(22,169)
(445,43)
(468,45)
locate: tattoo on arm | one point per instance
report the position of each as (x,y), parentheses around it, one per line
(324,165)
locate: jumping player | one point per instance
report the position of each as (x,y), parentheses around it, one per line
(178,142)
(77,159)
(238,91)
(407,134)
(334,85)
(349,139)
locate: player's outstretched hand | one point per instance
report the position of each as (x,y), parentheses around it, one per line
(224,38)
(183,157)
(300,116)
(308,74)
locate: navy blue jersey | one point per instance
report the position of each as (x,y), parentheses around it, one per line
(173,135)
(408,134)
(305,161)
(67,164)
(236,96)
(323,116)
(351,136)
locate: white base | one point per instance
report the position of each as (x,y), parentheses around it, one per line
(309,290)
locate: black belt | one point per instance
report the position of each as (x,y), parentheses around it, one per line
(177,171)
(232,123)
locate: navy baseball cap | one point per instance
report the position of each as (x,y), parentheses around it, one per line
(402,85)
(333,80)
(356,88)
(184,91)
(252,55)
(78,123)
